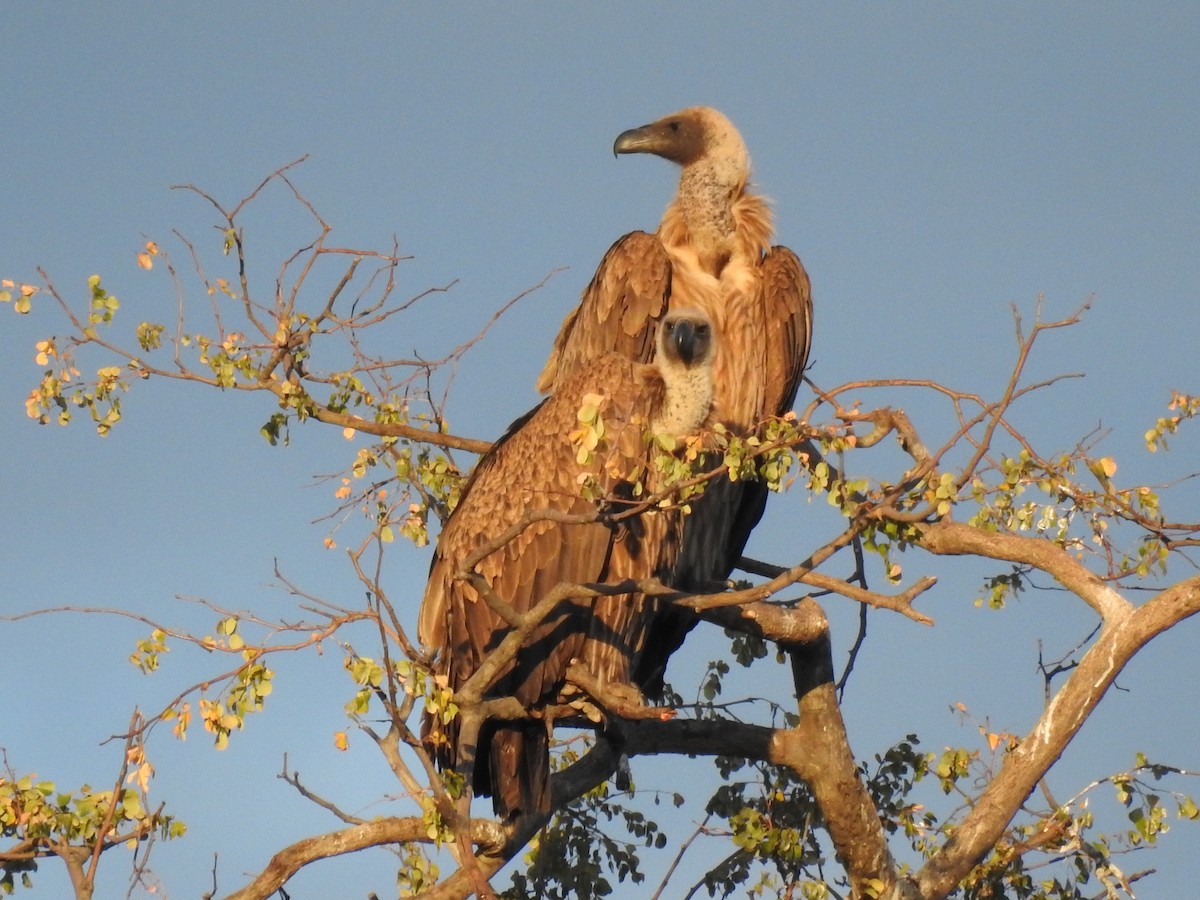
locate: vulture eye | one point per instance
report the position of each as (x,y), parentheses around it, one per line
(702,330)
(675,126)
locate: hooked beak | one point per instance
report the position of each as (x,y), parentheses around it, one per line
(683,336)
(642,139)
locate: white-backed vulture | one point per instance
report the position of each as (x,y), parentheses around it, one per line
(539,466)
(711,252)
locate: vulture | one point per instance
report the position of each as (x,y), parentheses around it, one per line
(581,451)
(712,252)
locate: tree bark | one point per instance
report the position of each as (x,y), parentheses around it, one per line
(818,749)
(1025,766)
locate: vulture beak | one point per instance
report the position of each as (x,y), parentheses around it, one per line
(643,139)
(686,340)
(679,138)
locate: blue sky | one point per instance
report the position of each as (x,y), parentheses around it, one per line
(932,164)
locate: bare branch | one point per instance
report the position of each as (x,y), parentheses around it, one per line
(952,539)
(293,778)
(376,833)
(901,603)
(1119,640)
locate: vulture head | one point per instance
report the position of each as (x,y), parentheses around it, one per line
(686,347)
(697,136)
(685,340)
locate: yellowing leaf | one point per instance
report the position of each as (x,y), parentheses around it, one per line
(340,740)
(152,248)
(349,433)
(144,261)
(181,726)
(33,404)
(330,544)
(142,775)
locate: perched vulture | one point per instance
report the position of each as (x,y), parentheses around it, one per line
(711,252)
(543,464)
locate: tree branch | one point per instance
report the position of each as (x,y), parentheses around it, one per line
(1119,640)
(377,833)
(901,603)
(818,750)
(948,538)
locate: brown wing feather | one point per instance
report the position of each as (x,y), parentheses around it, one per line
(617,311)
(787,300)
(432,617)
(535,467)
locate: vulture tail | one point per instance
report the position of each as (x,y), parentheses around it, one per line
(515,769)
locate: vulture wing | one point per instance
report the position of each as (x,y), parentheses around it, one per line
(787,298)
(536,467)
(618,310)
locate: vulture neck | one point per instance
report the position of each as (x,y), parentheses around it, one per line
(704,216)
(707,206)
(688,400)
